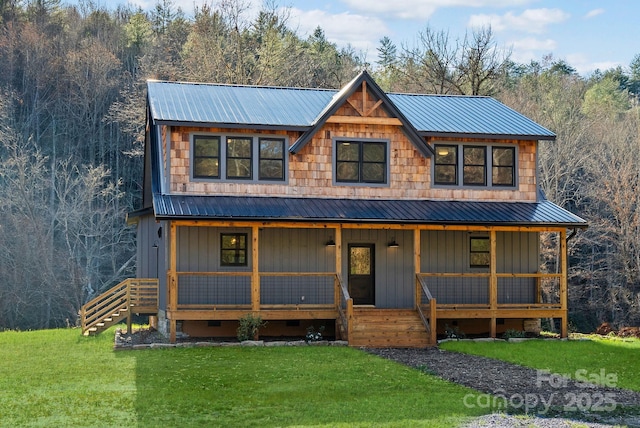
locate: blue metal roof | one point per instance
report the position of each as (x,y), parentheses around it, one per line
(439,115)
(238,105)
(543,213)
(454,114)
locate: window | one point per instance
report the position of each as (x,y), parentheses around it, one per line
(271,162)
(479,252)
(237,157)
(446,165)
(474,165)
(206,157)
(233,249)
(503,166)
(474,172)
(361,162)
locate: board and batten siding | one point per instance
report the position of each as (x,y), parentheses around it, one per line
(151,253)
(448,252)
(394,269)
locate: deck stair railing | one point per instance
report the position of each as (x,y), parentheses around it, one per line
(426,309)
(345,309)
(139,296)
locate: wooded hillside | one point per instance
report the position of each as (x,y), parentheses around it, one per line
(72,122)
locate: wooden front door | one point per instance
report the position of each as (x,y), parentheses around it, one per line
(361,274)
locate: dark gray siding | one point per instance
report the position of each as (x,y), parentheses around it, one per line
(394,271)
(198,250)
(448,252)
(296,250)
(517,253)
(151,256)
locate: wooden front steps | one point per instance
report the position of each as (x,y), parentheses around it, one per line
(387,328)
(138,296)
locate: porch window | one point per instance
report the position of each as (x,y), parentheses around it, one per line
(479,252)
(206,157)
(361,162)
(233,249)
(271,159)
(475,165)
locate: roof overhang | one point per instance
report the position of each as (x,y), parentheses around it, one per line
(371,211)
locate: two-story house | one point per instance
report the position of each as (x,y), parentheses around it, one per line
(384,217)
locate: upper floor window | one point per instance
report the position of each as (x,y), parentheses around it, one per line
(361,162)
(206,157)
(238,157)
(470,165)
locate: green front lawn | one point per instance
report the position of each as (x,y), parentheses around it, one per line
(59,378)
(596,359)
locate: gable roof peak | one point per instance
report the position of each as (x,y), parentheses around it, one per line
(341,97)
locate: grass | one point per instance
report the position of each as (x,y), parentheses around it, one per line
(592,357)
(59,378)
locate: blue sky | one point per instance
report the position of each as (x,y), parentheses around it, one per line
(587,34)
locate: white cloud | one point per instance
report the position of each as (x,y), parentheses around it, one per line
(423,9)
(528,49)
(342,28)
(593,13)
(584,66)
(530,21)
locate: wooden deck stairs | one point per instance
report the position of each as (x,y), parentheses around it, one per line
(381,328)
(139,296)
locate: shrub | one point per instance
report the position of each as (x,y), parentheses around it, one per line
(248,327)
(511,333)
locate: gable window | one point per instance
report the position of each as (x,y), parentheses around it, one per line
(271,162)
(206,157)
(479,252)
(233,249)
(474,165)
(229,157)
(361,162)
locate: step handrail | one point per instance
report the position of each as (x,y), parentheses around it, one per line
(126,296)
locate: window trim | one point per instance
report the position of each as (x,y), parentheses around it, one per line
(489,147)
(361,141)
(471,252)
(194,157)
(255,158)
(237,249)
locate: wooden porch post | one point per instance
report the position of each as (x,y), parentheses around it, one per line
(493,282)
(172,283)
(563,282)
(255,272)
(338,256)
(416,264)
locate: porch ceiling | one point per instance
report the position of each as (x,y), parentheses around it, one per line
(429,212)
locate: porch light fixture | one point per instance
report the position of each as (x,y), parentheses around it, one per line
(330,243)
(393,243)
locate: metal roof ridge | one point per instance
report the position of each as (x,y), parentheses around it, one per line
(237,85)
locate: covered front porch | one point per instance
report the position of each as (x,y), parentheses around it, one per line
(302,271)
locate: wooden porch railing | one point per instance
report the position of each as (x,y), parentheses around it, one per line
(430,323)
(130,296)
(345,309)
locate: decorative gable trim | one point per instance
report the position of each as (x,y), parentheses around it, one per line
(367,83)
